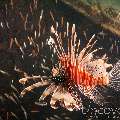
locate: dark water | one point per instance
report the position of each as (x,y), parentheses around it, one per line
(12,26)
(105,3)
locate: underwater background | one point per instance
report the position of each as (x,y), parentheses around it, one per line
(21,20)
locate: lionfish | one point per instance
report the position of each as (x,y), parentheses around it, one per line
(78,73)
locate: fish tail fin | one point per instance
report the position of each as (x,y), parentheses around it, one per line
(95,95)
(114,77)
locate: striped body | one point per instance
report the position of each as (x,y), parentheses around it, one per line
(81,75)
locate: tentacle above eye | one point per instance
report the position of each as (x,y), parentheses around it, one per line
(27,78)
